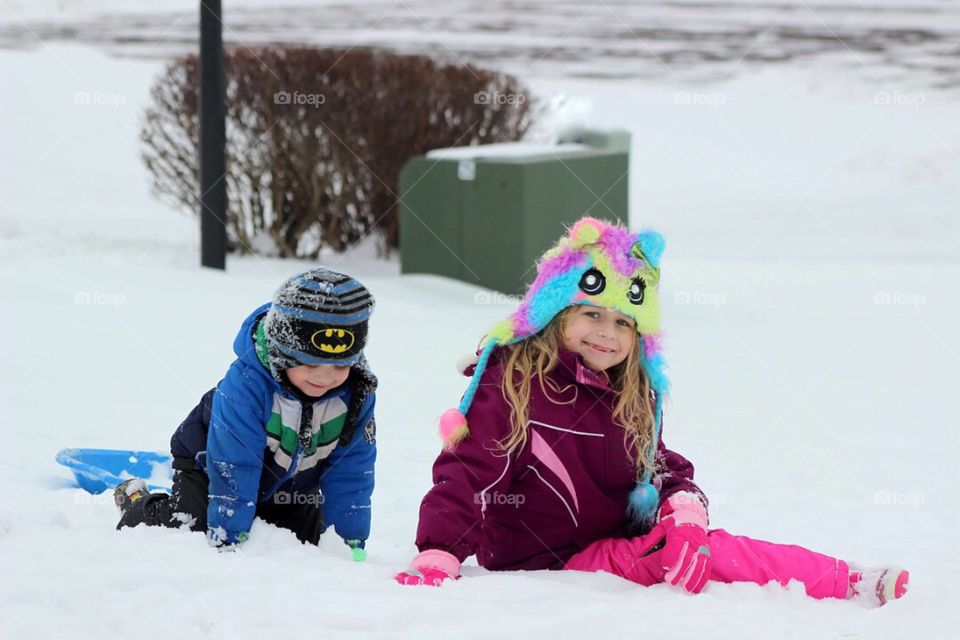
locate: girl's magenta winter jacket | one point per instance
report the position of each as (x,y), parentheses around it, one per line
(566,488)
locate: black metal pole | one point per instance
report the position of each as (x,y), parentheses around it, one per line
(213,164)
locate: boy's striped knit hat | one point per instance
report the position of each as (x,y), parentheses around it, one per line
(317,317)
(600,264)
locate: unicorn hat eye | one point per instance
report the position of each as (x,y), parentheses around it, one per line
(635,293)
(592,282)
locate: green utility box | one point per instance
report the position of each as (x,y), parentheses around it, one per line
(484,214)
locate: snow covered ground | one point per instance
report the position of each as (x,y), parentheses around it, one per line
(810,280)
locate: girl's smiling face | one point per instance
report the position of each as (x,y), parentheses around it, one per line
(602,336)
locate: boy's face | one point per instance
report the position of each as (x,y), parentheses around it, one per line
(316,380)
(603,337)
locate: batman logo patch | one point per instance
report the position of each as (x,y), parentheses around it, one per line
(333,341)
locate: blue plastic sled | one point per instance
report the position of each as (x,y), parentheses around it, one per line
(97,470)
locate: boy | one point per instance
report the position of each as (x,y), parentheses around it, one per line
(288,435)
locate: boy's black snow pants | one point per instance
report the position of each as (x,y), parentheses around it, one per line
(187,506)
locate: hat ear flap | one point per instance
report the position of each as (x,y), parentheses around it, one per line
(586,231)
(651,245)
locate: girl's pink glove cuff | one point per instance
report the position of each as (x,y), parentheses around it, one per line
(437,559)
(430,567)
(684,508)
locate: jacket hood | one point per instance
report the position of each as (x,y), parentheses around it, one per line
(571,367)
(244,345)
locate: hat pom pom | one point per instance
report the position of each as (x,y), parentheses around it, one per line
(642,504)
(453,428)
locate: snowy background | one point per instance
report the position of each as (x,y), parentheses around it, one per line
(807,185)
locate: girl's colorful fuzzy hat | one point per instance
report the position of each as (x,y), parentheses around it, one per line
(602,264)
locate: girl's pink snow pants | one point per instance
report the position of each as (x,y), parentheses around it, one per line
(735,559)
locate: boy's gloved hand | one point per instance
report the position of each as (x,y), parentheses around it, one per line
(356,547)
(218,542)
(686,554)
(430,567)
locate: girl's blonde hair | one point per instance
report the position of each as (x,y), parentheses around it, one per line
(539,354)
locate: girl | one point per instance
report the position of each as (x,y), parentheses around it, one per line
(554,459)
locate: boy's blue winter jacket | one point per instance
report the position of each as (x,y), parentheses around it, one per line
(259,440)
